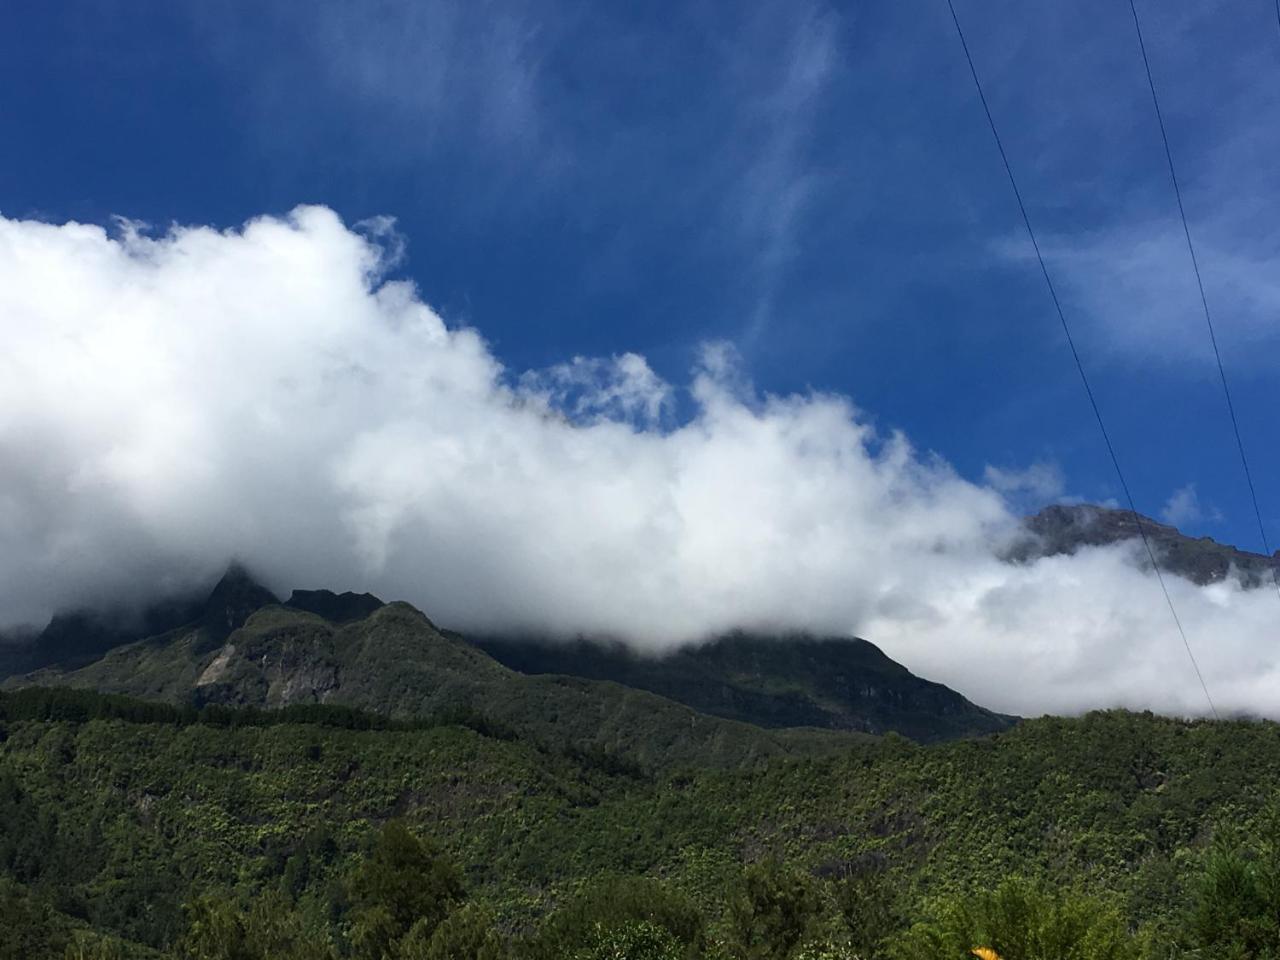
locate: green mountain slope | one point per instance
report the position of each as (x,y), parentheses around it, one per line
(783,681)
(350,648)
(396,662)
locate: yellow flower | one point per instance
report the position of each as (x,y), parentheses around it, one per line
(986,953)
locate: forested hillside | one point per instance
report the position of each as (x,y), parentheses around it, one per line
(395,662)
(776,681)
(154,830)
(239,645)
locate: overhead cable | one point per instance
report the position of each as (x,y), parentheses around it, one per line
(1204,300)
(1075,355)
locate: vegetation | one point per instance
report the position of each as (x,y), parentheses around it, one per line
(395,663)
(838,683)
(139,830)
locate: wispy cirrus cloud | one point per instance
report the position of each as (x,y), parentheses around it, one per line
(777,183)
(1102,195)
(1133,286)
(407,81)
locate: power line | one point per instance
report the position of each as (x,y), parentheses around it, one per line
(1075,355)
(1204,300)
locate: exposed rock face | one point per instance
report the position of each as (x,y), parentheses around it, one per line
(217,667)
(286,660)
(1066,528)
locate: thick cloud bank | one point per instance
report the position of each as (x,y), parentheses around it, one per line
(169,403)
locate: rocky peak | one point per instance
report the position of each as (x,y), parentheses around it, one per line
(1065,528)
(233,599)
(334,607)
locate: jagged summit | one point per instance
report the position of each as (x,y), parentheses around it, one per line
(336,607)
(234,597)
(77,637)
(1065,528)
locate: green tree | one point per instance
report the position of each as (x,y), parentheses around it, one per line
(215,931)
(1237,909)
(270,930)
(468,933)
(403,883)
(773,911)
(619,902)
(631,940)
(28,927)
(867,903)
(1020,920)
(91,947)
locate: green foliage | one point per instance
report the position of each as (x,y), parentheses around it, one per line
(402,885)
(1237,909)
(631,940)
(29,927)
(868,904)
(616,904)
(81,706)
(270,930)
(1021,921)
(828,951)
(271,830)
(773,911)
(468,933)
(91,947)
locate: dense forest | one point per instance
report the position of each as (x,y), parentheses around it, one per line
(135,829)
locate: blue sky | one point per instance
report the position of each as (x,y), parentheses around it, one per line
(813,184)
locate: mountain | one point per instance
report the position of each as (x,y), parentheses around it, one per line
(337,607)
(792,680)
(79,637)
(396,662)
(239,646)
(1064,528)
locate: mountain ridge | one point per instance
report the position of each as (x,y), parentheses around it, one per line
(1066,528)
(789,680)
(395,662)
(316,645)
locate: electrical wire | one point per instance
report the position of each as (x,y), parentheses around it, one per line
(1204,300)
(1075,355)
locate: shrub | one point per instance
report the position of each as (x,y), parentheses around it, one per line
(1021,921)
(771,913)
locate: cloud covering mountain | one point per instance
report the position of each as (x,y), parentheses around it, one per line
(170,401)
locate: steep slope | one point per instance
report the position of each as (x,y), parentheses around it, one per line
(1066,528)
(396,662)
(784,681)
(80,637)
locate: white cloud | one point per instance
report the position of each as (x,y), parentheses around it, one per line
(594,388)
(169,403)
(1135,286)
(1037,484)
(777,186)
(1183,508)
